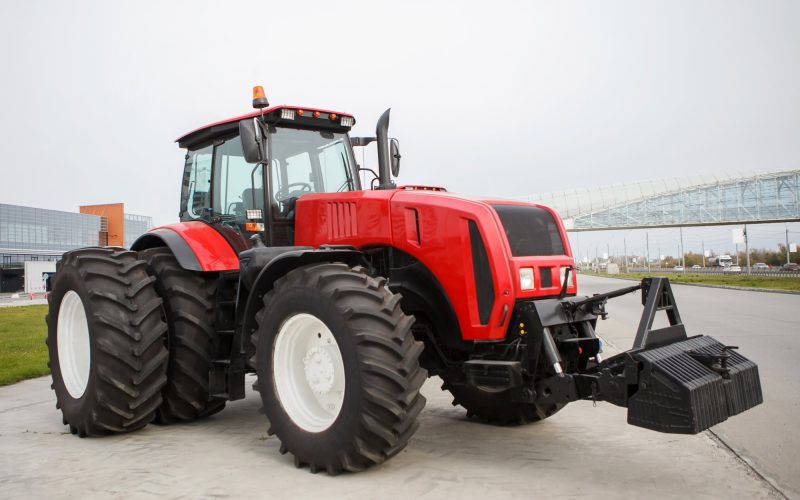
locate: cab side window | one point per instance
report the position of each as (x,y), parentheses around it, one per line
(197,182)
(238,185)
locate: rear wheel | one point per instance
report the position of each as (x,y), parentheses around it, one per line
(189,311)
(496,406)
(105,338)
(338,368)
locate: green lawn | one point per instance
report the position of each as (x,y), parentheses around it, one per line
(739,280)
(23,353)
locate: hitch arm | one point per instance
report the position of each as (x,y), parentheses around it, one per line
(588,304)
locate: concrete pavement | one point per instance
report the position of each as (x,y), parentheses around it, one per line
(580,452)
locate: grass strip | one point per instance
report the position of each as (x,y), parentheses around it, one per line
(23,353)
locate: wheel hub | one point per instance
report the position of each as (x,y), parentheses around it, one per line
(319,370)
(308,372)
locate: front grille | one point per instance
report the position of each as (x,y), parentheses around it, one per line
(531,231)
(546,277)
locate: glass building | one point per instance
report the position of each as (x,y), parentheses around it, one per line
(28,233)
(135,226)
(37,234)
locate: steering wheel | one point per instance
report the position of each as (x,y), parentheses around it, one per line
(286,193)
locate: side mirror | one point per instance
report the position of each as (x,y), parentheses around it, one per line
(253,137)
(394,153)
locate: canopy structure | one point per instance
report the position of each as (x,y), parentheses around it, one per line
(708,200)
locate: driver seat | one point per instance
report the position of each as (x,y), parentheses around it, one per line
(247,199)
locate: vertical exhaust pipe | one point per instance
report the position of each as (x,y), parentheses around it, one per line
(384,155)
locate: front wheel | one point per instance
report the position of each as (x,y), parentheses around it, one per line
(338,368)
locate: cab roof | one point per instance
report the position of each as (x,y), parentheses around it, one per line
(302,117)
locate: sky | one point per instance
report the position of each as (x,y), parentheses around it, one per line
(499,98)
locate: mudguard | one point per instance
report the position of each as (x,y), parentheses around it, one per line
(196,245)
(261,267)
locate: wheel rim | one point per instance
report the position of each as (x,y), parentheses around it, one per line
(74,353)
(308,372)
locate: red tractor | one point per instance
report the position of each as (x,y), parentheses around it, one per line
(343,298)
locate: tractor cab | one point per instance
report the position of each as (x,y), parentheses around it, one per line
(307,151)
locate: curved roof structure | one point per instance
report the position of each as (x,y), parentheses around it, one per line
(706,200)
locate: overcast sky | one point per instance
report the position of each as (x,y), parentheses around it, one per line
(497,98)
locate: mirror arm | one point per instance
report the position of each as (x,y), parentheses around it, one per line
(362,141)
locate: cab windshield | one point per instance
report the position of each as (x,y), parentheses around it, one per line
(307,161)
(219,184)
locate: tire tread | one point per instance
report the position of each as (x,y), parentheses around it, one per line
(117,397)
(388,362)
(189,308)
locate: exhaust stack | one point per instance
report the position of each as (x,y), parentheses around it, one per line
(384,155)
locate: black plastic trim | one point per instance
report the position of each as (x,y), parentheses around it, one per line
(165,237)
(484,284)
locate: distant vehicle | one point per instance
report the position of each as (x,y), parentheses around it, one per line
(678,268)
(791,267)
(723,260)
(760,266)
(732,269)
(697,266)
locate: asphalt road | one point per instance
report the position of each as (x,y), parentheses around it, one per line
(766,327)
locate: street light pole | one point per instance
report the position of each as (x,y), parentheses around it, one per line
(683,259)
(647,236)
(625,251)
(747,248)
(703,244)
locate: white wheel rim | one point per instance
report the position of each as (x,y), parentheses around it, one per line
(74,353)
(308,371)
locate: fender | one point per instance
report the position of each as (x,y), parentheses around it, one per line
(276,262)
(423,295)
(196,245)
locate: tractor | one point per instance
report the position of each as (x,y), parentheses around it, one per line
(343,298)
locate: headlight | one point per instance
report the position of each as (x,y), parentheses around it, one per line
(570,280)
(526,278)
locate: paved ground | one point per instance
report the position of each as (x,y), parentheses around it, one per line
(581,452)
(765,326)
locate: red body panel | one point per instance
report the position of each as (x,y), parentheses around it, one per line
(213,252)
(432,227)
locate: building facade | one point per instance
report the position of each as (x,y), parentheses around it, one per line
(37,234)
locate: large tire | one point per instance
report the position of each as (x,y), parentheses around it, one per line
(338,368)
(496,407)
(189,299)
(106,341)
